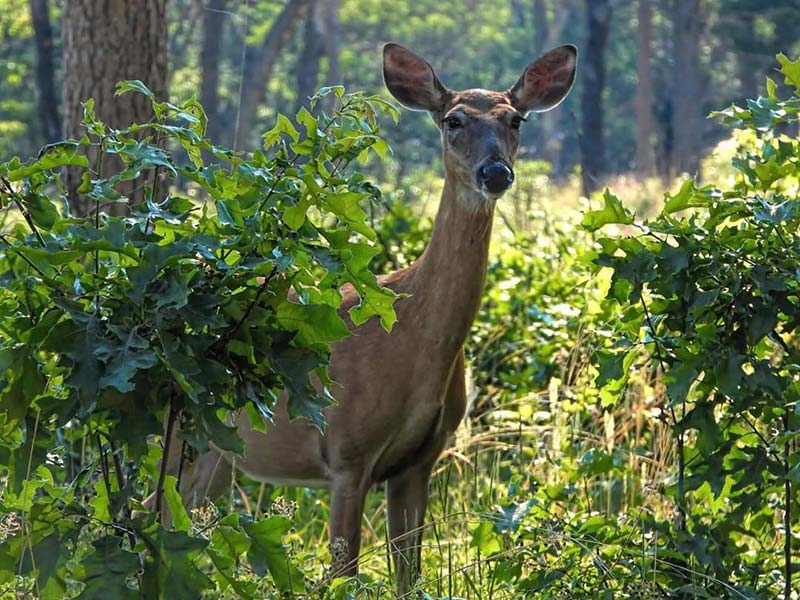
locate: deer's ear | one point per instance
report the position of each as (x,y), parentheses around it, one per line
(411,79)
(546,81)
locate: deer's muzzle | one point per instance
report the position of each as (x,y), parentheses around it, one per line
(495,177)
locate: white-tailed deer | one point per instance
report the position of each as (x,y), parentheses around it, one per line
(403,393)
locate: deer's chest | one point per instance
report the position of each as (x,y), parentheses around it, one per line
(417,431)
(392,399)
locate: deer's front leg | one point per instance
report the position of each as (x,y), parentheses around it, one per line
(408,499)
(347,507)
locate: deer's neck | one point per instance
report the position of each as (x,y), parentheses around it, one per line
(449,279)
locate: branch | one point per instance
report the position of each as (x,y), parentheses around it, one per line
(173,413)
(251,306)
(25,214)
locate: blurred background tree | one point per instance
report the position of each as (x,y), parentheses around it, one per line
(668,62)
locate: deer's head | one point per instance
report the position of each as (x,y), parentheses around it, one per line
(480,128)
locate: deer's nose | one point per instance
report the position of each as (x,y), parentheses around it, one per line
(496,176)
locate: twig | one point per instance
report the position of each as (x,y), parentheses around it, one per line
(102,150)
(251,306)
(121,484)
(25,214)
(680,449)
(104,465)
(180,466)
(173,412)
(21,255)
(787,512)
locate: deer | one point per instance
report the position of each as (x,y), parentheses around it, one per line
(403,392)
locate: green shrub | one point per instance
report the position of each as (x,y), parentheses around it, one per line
(113,326)
(707,294)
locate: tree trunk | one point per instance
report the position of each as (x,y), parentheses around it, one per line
(548,35)
(540,26)
(333,40)
(645,159)
(518,12)
(106,41)
(750,73)
(213,28)
(259,65)
(688,21)
(46,97)
(333,45)
(594,75)
(307,67)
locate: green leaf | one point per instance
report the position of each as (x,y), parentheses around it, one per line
(227,214)
(101,502)
(486,539)
(314,323)
(42,211)
(701,418)
(224,436)
(139,156)
(125,361)
(595,461)
(155,258)
(51,256)
(613,373)
(133,85)
(375,300)
(509,518)
(307,120)
(54,156)
(612,212)
(80,341)
(282,126)
(180,518)
(16,397)
(106,570)
(228,543)
(688,196)
(169,567)
(295,215)
(267,553)
(790,70)
(295,366)
(347,206)
(90,121)
(192,112)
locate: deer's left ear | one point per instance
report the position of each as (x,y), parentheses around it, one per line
(546,81)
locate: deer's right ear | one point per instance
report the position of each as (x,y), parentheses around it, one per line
(411,79)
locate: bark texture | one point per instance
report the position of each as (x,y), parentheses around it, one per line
(307,67)
(46,95)
(688,90)
(594,79)
(333,40)
(645,128)
(540,25)
(549,34)
(106,41)
(210,53)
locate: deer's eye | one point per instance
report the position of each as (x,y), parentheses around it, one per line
(516,122)
(453,122)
